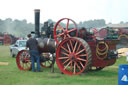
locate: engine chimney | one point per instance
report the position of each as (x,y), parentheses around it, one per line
(37,22)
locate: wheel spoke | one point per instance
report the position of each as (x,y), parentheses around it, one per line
(81,59)
(83,55)
(26,65)
(29,63)
(66,61)
(63,57)
(68,35)
(49,62)
(65,53)
(25,54)
(67,65)
(81,64)
(72,30)
(78,47)
(59,35)
(28,60)
(22,64)
(67,25)
(64,36)
(80,51)
(75,47)
(45,63)
(71,44)
(68,48)
(78,66)
(61,27)
(21,57)
(65,49)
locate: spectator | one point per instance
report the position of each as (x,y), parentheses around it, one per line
(32,44)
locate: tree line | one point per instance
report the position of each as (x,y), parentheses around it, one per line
(20,28)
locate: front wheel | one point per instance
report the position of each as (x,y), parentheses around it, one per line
(23,60)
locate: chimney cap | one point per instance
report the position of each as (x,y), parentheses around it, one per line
(37,10)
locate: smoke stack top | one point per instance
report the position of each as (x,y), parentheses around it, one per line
(37,22)
(37,10)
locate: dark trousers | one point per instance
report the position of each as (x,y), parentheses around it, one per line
(35,57)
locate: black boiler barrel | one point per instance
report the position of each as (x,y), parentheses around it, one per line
(46,45)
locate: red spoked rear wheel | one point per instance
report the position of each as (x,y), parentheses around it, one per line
(23,60)
(73,56)
(62,31)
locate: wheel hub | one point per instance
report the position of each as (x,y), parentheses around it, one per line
(72,57)
(65,32)
(25,60)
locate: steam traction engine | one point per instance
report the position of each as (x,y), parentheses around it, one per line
(77,50)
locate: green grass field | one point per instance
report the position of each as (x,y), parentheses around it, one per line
(11,75)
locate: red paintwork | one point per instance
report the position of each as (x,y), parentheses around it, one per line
(95,32)
(102,63)
(1,38)
(103,33)
(7,39)
(123,31)
(82,32)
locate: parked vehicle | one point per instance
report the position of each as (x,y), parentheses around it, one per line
(18,46)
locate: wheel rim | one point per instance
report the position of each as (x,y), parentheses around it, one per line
(65,32)
(23,60)
(46,64)
(71,56)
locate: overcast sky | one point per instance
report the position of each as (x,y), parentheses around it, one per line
(79,10)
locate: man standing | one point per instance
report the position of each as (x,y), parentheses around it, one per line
(32,44)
